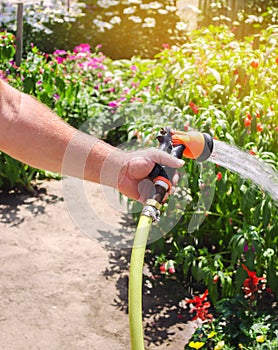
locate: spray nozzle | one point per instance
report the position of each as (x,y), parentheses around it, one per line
(192,144)
(198,145)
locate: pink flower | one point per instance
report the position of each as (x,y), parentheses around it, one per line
(107,80)
(60,59)
(56,97)
(134,99)
(60,52)
(113,104)
(171,267)
(84,48)
(186,126)
(135,84)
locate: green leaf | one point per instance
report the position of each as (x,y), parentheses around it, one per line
(216,75)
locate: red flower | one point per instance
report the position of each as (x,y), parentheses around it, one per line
(235,72)
(259,127)
(249,116)
(219,176)
(247,122)
(252,152)
(255,64)
(276,60)
(194,107)
(163,268)
(251,284)
(200,306)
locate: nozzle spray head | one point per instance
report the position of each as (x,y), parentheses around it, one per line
(198,145)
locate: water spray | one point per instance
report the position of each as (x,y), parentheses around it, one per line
(193,145)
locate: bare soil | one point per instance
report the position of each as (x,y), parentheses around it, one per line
(61,290)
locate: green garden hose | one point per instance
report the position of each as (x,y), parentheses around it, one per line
(191,145)
(135,282)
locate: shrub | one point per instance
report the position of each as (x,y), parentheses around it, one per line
(212,83)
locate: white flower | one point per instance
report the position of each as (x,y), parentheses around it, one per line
(115,20)
(144,6)
(102,25)
(181,26)
(155,5)
(107,3)
(171,8)
(129,10)
(39,12)
(135,1)
(162,11)
(135,19)
(149,22)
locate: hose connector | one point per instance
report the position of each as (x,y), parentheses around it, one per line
(152,209)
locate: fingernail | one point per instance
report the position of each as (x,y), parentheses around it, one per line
(181,162)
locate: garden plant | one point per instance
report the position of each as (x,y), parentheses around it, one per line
(212,83)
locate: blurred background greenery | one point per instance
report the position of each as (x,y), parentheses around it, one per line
(135,27)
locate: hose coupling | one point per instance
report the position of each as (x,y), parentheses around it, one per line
(152,210)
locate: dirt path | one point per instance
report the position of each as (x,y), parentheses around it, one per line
(60,290)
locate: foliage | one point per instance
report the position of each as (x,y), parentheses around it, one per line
(212,83)
(248,322)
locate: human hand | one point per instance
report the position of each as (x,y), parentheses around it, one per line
(136,168)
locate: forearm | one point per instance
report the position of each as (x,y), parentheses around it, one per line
(33,134)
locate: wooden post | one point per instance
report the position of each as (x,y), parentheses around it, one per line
(19,34)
